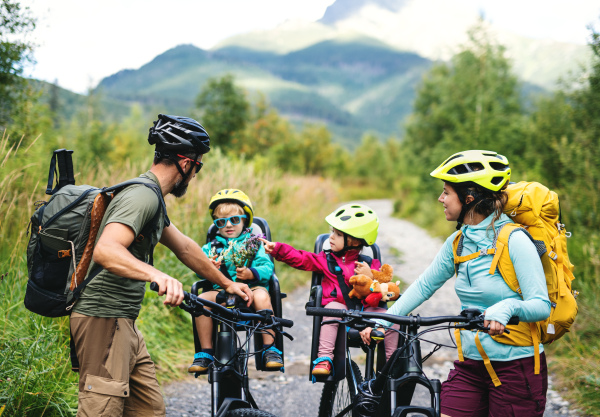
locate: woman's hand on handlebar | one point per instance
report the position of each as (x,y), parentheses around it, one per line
(171,287)
(242,290)
(496,328)
(269,246)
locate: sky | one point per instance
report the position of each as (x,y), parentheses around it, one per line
(79,42)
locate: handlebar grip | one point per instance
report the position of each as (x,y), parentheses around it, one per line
(284,322)
(377,335)
(329,312)
(514,320)
(154,286)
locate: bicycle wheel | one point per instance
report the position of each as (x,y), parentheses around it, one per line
(248,412)
(338,395)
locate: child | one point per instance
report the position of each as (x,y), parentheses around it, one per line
(232,213)
(353,226)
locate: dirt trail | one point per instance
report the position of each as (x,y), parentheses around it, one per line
(409,250)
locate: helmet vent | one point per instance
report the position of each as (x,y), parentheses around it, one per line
(497,180)
(339,213)
(453,157)
(499,166)
(345,218)
(494,154)
(360,214)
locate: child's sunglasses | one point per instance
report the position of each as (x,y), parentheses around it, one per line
(199,164)
(221,223)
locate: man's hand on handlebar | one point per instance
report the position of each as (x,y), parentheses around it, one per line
(242,290)
(171,287)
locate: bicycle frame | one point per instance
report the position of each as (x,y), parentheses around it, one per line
(403,371)
(228,375)
(231,372)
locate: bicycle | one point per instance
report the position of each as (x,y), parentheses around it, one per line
(391,391)
(340,386)
(228,375)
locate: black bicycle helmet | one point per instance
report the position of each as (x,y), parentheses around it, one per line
(179,134)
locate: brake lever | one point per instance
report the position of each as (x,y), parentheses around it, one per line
(286,334)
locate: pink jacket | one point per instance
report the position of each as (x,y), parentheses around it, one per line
(309,261)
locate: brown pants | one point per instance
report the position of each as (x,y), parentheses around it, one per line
(116,375)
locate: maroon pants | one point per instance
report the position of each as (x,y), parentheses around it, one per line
(469,390)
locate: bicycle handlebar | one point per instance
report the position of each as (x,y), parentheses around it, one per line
(469,316)
(194,304)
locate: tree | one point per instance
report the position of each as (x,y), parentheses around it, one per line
(224,111)
(15,22)
(471,103)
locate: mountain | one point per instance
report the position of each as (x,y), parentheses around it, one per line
(433,29)
(353,85)
(356,69)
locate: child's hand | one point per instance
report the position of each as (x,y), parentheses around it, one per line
(269,246)
(217,264)
(365,335)
(244,274)
(363,268)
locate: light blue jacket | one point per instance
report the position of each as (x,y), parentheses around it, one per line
(476,288)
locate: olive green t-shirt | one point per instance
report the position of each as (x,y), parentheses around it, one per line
(108,295)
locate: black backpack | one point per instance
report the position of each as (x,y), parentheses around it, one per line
(63,234)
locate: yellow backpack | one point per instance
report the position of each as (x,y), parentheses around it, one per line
(536,211)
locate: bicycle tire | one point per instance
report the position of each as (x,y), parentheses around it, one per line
(248,412)
(338,395)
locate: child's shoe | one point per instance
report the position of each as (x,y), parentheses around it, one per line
(272,358)
(201,363)
(323,367)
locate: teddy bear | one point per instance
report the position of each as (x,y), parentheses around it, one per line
(384,275)
(372,291)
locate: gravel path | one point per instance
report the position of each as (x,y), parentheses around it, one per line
(409,250)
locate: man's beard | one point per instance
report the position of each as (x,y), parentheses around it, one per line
(180,189)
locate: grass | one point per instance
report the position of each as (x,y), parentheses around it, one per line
(35,376)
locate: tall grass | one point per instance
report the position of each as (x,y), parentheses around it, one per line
(35,376)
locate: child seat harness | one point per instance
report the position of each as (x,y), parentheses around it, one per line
(335,269)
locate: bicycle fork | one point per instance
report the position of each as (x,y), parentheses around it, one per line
(414,375)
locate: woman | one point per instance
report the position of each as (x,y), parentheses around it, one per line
(473,197)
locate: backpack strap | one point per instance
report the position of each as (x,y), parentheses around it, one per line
(457,247)
(75,292)
(335,269)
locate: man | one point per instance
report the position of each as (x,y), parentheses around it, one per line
(116,375)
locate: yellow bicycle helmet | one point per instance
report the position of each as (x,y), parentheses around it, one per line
(485,168)
(356,220)
(231,195)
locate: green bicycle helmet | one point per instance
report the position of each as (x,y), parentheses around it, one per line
(356,220)
(487,169)
(231,195)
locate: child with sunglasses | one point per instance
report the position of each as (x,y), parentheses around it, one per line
(232,214)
